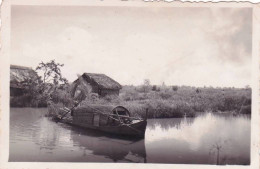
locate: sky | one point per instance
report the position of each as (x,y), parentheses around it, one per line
(176,46)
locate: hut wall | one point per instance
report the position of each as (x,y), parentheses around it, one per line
(94,89)
(93,85)
(105,92)
(16,91)
(77,88)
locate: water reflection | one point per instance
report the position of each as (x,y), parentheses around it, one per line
(200,140)
(112,148)
(177,123)
(217,148)
(207,139)
(50,141)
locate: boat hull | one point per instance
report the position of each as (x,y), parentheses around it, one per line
(136,129)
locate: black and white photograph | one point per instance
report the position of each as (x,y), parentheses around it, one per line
(131,84)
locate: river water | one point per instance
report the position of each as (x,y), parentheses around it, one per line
(206,139)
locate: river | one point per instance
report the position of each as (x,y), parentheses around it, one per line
(206,139)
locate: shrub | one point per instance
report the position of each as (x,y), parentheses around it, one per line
(198,90)
(175,88)
(110,98)
(165,95)
(154,88)
(245,109)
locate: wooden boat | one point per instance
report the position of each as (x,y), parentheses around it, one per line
(114,120)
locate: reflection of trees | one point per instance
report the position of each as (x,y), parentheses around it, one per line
(231,116)
(31,124)
(47,136)
(216,148)
(168,123)
(112,148)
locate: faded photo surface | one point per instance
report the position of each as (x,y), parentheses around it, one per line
(130,84)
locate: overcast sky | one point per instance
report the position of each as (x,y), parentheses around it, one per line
(178,46)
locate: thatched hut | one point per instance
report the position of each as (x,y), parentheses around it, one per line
(99,83)
(18,75)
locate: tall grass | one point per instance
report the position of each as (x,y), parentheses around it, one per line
(180,101)
(164,102)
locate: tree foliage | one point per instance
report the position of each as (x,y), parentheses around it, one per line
(40,89)
(146,85)
(51,73)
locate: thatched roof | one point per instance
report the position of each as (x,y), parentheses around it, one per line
(19,74)
(98,108)
(102,81)
(92,108)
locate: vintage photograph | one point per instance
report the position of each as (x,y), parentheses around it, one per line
(128,84)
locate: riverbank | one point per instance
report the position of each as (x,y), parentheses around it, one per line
(183,101)
(173,102)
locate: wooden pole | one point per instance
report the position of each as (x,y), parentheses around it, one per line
(146,113)
(69,110)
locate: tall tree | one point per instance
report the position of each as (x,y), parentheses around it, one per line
(146,85)
(51,72)
(51,79)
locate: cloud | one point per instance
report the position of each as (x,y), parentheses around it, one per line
(66,47)
(231,30)
(185,46)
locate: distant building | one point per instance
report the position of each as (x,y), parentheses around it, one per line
(18,75)
(99,83)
